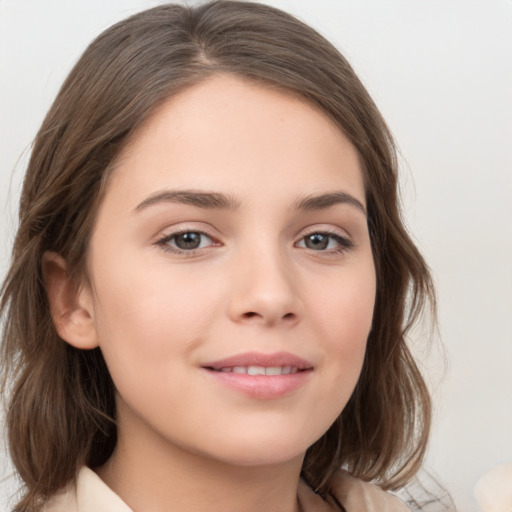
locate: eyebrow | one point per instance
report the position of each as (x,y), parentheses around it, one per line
(323,201)
(216,200)
(200,199)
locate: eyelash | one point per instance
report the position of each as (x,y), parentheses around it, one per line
(164,242)
(344,244)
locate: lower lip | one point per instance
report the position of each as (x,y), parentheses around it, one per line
(263,387)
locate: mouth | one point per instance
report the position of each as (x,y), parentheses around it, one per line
(261,376)
(258,370)
(257,363)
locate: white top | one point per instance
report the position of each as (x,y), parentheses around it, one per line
(91,494)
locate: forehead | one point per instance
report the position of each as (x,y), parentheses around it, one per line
(230,132)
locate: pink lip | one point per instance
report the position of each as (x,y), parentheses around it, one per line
(263,387)
(259,359)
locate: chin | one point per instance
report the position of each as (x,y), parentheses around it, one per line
(263,457)
(262,450)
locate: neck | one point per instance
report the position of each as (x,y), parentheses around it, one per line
(149,473)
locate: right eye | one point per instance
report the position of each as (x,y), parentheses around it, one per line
(185,241)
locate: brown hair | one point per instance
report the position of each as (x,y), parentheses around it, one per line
(61,410)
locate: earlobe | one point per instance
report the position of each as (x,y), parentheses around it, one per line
(70,304)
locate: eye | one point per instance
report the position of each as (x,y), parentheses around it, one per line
(323,241)
(186,241)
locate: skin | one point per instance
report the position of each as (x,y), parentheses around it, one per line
(255,284)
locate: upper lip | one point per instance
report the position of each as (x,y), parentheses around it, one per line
(260,359)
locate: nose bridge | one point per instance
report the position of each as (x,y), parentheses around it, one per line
(264,286)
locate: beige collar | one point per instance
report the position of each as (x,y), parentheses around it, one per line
(91,494)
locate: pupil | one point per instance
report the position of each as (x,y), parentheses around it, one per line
(188,240)
(317,241)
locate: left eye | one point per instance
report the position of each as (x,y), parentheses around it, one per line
(324,241)
(187,241)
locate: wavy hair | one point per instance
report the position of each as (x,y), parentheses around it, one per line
(61,407)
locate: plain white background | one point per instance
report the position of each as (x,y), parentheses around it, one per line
(441,73)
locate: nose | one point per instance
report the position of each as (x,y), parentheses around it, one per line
(264,290)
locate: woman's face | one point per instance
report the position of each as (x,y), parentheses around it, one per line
(232,280)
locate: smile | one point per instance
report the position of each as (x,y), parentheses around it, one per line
(261,376)
(257,363)
(259,370)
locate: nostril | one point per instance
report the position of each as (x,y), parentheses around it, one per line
(251,314)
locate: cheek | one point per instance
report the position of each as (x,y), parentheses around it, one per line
(344,313)
(145,314)
(344,304)
(149,323)
(341,313)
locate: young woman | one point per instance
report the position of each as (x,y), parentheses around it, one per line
(211,284)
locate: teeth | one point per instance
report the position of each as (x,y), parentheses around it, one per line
(260,370)
(256,370)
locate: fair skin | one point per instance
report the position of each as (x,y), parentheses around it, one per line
(231,240)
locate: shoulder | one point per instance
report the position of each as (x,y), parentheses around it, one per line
(88,494)
(64,501)
(355,494)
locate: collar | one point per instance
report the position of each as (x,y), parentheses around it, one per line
(93,495)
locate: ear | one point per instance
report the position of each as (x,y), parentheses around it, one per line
(71,305)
